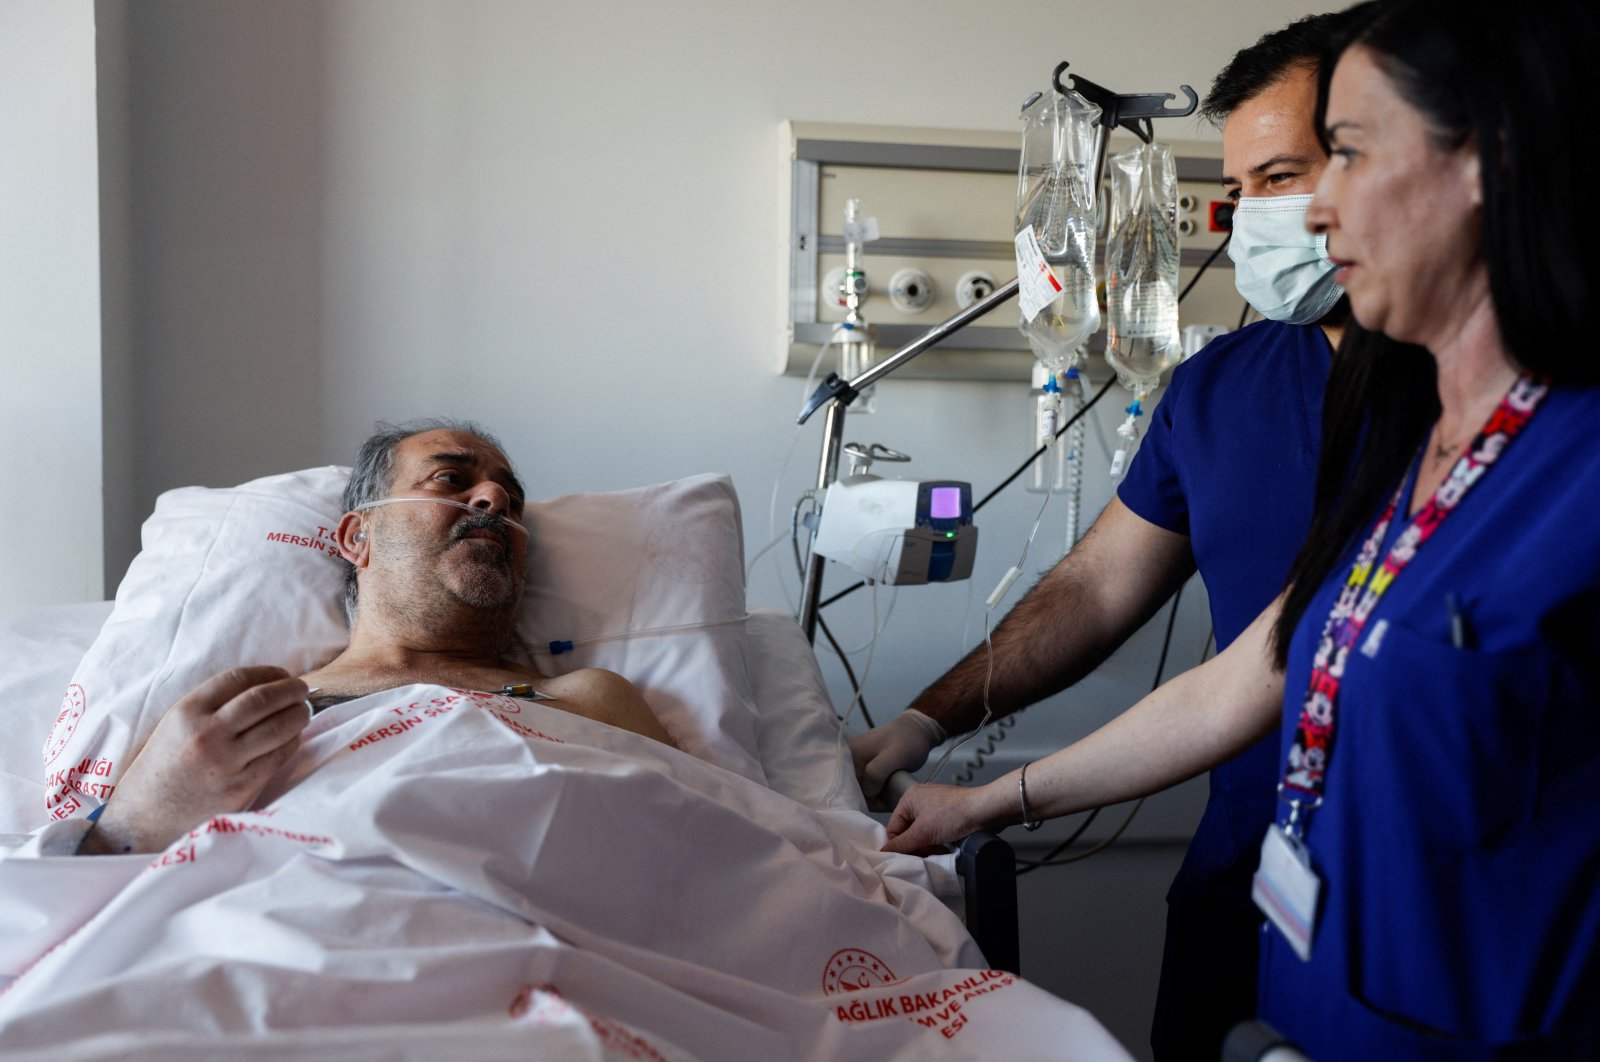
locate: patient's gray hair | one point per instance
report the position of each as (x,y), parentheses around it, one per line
(372,476)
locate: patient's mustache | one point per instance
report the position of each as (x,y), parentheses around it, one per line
(484,521)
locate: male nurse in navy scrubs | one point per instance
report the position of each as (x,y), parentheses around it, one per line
(1222,483)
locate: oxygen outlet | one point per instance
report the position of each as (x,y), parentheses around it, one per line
(911,290)
(973,287)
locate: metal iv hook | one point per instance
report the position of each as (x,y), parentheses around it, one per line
(1132,111)
(861,457)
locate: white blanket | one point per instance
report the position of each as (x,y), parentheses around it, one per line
(439,874)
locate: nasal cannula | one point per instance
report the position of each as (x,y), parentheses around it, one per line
(508,521)
(522,690)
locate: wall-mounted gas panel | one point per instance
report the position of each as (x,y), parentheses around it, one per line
(944,201)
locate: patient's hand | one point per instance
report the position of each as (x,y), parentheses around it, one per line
(210,755)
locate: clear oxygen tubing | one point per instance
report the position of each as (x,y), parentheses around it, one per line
(515,525)
(988,640)
(894,596)
(788,457)
(827,632)
(558,646)
(840,755)
(966,622)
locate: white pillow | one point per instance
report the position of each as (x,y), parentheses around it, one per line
(799,740)
(249,575)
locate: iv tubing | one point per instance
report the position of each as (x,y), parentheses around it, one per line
(639,632)
(988,639)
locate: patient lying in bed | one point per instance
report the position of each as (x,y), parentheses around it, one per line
(432,595)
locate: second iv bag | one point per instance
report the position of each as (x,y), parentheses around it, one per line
(1055,198)
(1142,340)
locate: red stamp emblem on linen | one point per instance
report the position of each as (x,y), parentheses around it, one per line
(72,709)
(544,1005)
(852,970)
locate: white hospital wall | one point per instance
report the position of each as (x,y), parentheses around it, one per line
(563,220)
(50,537)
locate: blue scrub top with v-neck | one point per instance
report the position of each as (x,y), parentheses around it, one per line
(1458,844)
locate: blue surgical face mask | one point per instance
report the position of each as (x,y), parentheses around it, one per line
(1279,267)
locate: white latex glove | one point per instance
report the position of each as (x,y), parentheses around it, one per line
(901,744)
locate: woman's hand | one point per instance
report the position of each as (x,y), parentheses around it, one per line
(931,816)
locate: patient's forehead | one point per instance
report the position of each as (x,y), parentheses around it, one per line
(418,452)
(447,439)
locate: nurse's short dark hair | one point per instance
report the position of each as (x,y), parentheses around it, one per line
(1301,45)
(372,475)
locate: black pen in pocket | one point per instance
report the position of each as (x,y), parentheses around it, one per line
(1460,629)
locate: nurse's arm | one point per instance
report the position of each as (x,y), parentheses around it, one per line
(1200,719)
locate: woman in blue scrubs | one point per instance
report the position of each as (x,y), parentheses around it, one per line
(1432,886)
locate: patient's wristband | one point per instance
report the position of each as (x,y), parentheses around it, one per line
(928,724)
(1028,821)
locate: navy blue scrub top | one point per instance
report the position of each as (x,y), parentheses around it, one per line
(1459,839)
(1230,460)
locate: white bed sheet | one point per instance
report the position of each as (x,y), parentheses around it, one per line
(479,893)
(437,873)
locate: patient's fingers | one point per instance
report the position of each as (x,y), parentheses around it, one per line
(218,693)
(281,729)
(261,769)
(261,700)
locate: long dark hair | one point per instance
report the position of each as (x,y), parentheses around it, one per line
(1508,78)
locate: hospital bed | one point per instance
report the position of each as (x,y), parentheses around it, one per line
(441,871)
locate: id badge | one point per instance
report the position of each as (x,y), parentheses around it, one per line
(1286,889)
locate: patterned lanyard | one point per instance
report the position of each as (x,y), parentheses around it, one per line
(1305,774)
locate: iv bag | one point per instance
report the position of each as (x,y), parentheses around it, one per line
(1055,197)
(1142,340)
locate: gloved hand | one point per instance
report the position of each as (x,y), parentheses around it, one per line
(901,744)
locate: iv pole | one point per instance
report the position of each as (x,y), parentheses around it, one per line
(1132,112)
